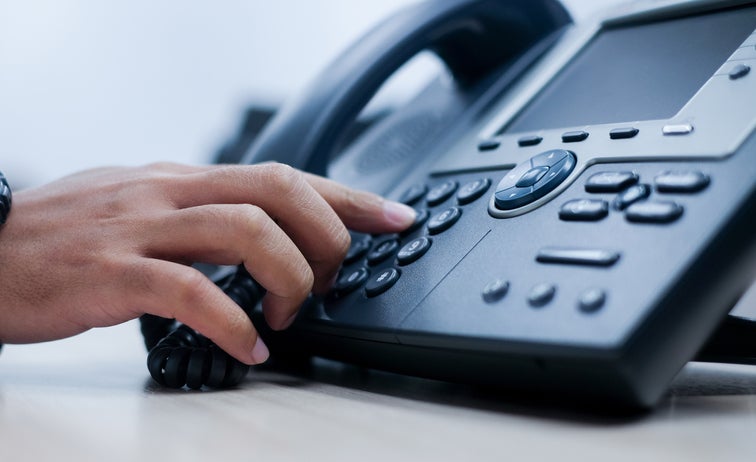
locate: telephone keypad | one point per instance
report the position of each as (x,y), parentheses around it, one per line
(357,250)
(441,192)
(413,194)
(444,220)
(473,190)
(381,282)
(382,251)
(351,281)
(420,219)
(413,250)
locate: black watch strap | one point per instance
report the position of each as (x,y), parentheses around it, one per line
(6,198)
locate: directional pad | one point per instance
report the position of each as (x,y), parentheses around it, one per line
(534,178)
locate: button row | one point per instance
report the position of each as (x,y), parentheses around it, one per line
(468,193)
(631,196)
(374,285)
(540,295)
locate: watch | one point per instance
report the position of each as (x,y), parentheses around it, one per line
(6,198)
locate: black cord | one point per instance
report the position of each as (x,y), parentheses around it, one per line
(179,356)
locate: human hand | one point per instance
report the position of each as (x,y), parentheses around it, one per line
(100,247)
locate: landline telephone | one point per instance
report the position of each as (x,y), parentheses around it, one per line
(586,200)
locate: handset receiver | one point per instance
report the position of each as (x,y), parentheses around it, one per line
(472,37)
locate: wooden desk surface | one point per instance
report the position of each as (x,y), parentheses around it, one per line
(91,398)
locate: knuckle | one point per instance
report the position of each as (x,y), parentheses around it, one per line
(284,179)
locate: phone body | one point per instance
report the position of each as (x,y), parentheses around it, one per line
(587,194)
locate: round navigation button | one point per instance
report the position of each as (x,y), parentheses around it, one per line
(534,178)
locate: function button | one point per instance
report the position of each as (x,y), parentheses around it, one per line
(549,158)
(444,220)
(472,190)
(513,197)
(382,251)
(592,300)
(741,70)
(532,176)
(575,256)
(681,182)
(420,219)
(623,133)
(381,282)
(357,250)
(654,212)
(413,194)
(530,140)
(574,137)
(441,192)
(350,282)
(541,294)
(495,290)
(508,196)
(414,249)
(631,195)
(609,182)
(489,145)
(584,210)
(678,129)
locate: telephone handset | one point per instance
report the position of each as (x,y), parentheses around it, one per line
(585,199)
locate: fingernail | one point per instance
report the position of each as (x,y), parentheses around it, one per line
(260,351)
(398,213)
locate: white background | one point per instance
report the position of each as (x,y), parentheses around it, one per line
(85,82)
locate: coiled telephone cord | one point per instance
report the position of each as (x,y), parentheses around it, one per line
(179,356)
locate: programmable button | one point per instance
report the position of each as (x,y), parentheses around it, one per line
(681,182)
(530,140)
(381,282)
(677,129)
(382,251)
(584,210)
(350,282)
(609,182)
(444,220)
(623,133)
(357,250)
(420,219)
(654,212)
(560,164)
(441,192)
(414,249)
(541,294)
(741,70)
(413,194)
(577,256)
(472,191)
(532,176)
(574,137)
(630,196)
(495,290)
(591,300)
(488,145)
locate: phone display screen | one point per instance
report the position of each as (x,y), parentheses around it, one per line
(638,72)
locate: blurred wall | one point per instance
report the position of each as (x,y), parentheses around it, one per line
(85,82)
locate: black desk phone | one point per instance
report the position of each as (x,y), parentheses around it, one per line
(586,197)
